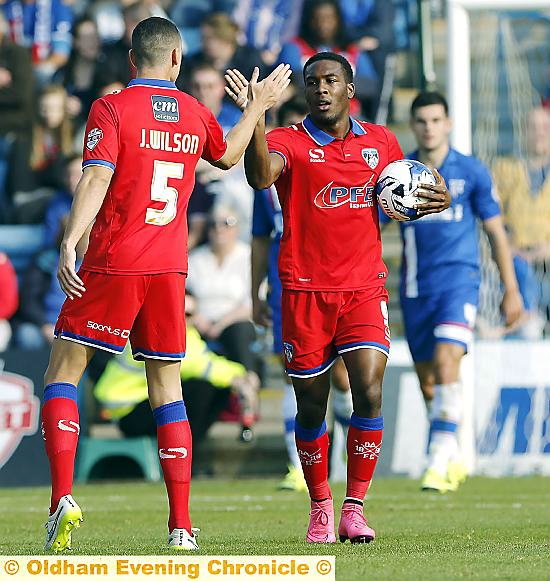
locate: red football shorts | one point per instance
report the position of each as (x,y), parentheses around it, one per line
(318,326)
(147,309)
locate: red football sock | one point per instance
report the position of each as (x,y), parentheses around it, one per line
(363,447)
(314,458)
(175,453)
(60,429)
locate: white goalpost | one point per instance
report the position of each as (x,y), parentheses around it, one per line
(459,13)
(496,71)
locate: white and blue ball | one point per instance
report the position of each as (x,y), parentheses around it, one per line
(397,185)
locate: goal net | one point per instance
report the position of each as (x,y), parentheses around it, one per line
(498,71)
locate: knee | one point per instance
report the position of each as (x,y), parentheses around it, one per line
(368,398)
(446,367)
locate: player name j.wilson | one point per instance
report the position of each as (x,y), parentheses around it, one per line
(168,141)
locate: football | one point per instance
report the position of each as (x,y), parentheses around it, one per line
(397,185)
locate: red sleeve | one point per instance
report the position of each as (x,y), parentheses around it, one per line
(215,146)
(394,149)
(277,142)
(101,141)
(8,288)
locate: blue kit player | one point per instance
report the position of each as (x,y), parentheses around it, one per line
(440,278)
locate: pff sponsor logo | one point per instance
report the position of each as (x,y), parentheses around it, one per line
(316,155)
(308,459)
(18,412)
(369,450)
(124,333)
(180,453)
(356,197)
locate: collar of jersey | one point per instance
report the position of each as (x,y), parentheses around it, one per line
(155,83)
(322,138)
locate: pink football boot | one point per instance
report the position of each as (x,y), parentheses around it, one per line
(321,522)
(353,525)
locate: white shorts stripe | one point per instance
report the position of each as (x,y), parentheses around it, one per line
(454,333)
(354,348)
(61,335)
(314,374)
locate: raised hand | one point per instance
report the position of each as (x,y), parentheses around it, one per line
(237,87)
(265,93)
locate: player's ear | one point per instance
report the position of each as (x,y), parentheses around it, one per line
(351,90)
(176,57)
(132,57)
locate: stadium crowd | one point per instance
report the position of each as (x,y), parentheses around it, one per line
(57,56)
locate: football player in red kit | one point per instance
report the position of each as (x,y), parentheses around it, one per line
(141,148)
(330,262)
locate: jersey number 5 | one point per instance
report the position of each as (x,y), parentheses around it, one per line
(162,192)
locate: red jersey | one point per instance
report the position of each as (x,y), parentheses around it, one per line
(331,236)
(151,135)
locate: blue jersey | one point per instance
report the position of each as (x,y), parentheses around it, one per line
(440,251)
(267,220)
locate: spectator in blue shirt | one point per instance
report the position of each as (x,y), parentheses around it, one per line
(45,29)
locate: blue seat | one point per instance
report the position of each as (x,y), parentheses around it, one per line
(21,242)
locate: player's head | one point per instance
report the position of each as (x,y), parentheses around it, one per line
(328,79)
(292,112)
(156,44)
(430,120)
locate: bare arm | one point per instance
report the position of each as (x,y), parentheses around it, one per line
(262,168)
(89,195)
(261,96)
(512,304)
(259,261)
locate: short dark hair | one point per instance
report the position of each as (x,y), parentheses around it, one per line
(295,105)
(331,56)
(427,98)
(153,39)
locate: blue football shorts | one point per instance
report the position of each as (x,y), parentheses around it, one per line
(439,317)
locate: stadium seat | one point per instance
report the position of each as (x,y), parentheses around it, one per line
(21,242)
(143,451)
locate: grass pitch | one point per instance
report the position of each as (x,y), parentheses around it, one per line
(489,529)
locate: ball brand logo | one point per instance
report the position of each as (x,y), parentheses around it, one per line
(165,108)
(316,155)
(18,412)
(124,333)
(334,196)
(180,453)
(67,426)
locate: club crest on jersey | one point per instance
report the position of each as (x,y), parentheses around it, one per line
(370,155)
(165,108)
(289,351)
(18,412)
(95,135)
